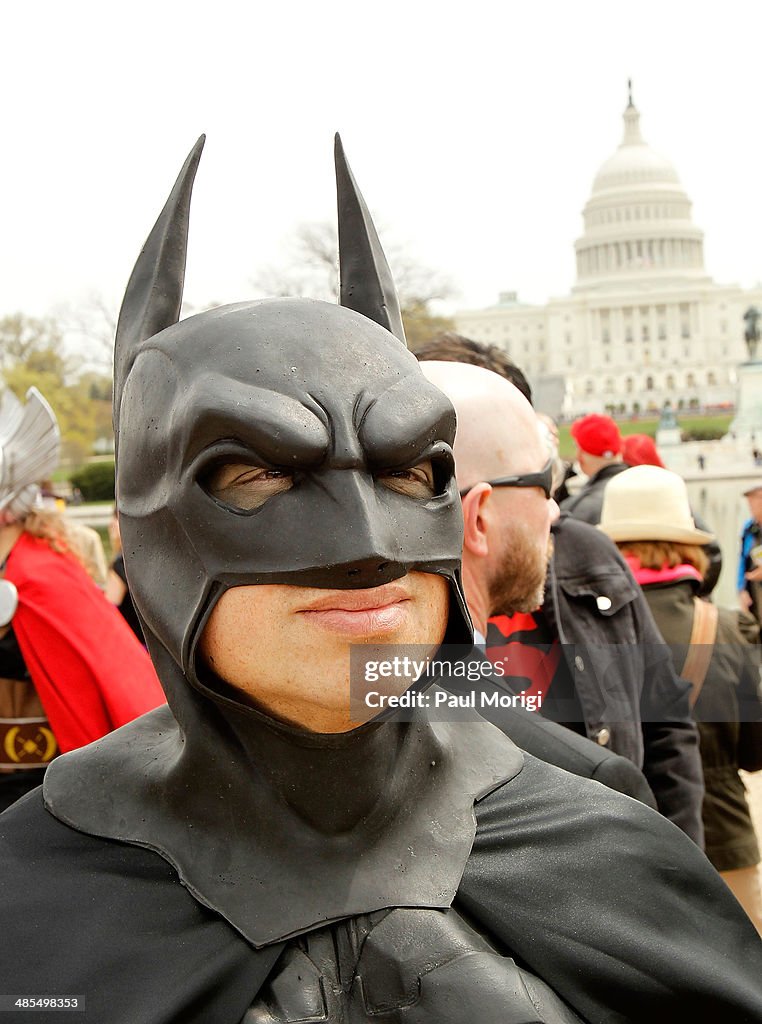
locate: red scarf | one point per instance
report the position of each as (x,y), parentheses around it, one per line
(90,672)
(663,575)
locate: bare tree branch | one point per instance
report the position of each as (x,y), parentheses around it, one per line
(90,327)
(311,270)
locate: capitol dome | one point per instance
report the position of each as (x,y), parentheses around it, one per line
(638,224)
(634,163)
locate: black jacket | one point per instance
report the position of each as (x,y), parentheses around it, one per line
(586,504)
(566,749)
(631,698)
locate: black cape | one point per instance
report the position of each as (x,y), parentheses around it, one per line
(573,879)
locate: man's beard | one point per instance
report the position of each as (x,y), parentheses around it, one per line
(518,583)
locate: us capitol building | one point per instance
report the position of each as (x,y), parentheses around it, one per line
(644,324)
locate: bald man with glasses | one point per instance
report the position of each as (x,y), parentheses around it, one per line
(554,601)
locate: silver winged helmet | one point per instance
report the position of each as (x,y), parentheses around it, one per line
(29,450)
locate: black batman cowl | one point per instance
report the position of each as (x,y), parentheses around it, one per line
(277,829)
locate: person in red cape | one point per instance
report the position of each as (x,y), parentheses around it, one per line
(70,669)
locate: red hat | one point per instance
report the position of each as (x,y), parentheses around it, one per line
(640,450)
(597,435)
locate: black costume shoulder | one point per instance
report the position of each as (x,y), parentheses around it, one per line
(112,922)
(547,907)
(98,918)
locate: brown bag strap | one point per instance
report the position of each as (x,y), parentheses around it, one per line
(703,635)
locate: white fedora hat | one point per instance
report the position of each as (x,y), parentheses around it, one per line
(649,503)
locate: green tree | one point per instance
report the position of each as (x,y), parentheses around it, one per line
(421,325)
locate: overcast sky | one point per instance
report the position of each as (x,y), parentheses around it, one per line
(475,131)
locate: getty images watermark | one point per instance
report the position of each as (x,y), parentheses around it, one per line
(454,682)
(393,678)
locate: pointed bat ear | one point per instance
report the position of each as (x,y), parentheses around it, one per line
(155,290)
(365,280)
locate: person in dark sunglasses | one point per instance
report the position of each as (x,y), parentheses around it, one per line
(572,630)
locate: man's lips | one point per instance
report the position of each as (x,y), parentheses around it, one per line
(360,612)
(359,600)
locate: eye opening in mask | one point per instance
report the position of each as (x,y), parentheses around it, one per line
(425,479)
(242,484)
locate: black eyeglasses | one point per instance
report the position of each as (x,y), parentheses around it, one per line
(543,479)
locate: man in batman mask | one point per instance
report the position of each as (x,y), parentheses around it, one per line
(285,485)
